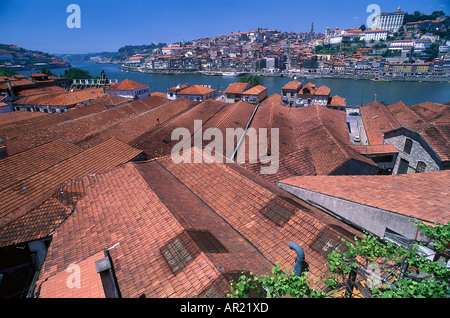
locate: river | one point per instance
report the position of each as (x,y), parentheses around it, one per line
(356,92)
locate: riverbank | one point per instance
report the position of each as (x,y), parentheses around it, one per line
(428,78)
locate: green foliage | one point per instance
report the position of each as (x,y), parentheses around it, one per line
(398,271)
(76,73)
(7,73)
(280,283)
(253,80)
(419,16)
(47,71)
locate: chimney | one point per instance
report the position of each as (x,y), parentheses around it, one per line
(10,90)
(157,121)
(300,260)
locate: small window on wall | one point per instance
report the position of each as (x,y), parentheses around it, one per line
(421,166)
(408,146)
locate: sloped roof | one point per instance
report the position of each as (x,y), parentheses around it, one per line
(292,85)
(61,99)
(255,90)
(433,112)
(79,128)
(377,119)
(25,164)
(144,121)
(236,88)
(23,196)
(231,231)
(196,90)
(420,195)
(337,100)
(125,85)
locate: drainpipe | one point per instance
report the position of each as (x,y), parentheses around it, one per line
(298,266)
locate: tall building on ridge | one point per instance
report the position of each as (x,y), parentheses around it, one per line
(391,21)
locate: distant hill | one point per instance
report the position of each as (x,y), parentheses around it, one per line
(13,57)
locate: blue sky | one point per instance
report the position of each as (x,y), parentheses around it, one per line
(106,25)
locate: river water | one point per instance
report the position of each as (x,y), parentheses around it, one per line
(356,92)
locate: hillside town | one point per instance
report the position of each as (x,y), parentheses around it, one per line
(391,49)
(113,189)
(14,58)
(88,177)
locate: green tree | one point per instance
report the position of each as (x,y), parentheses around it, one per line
(362,27)
(371,267)
(47,71)
(253,80)
(76,73)
(7,73)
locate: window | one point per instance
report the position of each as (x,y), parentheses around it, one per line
(403,166)
(206,241)
(408,146)
(421,166)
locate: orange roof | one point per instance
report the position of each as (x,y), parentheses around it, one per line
(337,100)
(235,228)
(61,99)
(255,90)
(196,90)
(237,88)
(418,195)
(295,85)
(125,85)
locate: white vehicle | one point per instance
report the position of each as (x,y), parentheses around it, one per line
(356,139)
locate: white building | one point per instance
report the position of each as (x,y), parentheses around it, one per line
(376,35)
(129,89)
(391,21)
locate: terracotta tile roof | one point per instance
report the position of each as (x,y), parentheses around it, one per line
(11,118)
(297,163)
(213,114)
(314,90)
(111,100)
(420,195)
(125,85)
(41,221)
(38,91)
(375,149)
(25,164)
(90,284)
(437,135)
(255,90)
(80,128)
(292,85)
(433,112)
(325,133)
(377,119)
(68,99)
(133,127)
(232,230)
(28,124)
(159,94)
(196,90)
(337,100)
(22,197)
(237,88)
(404,114)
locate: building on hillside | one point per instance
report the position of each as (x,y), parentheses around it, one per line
(421,147)
(196,93)
(391,21)
(57,102)
(387,206)
(128,89)
(289,93)
(173,91)
(420,134)
(234,92)
(310,94)
(376,35)
(255,94)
